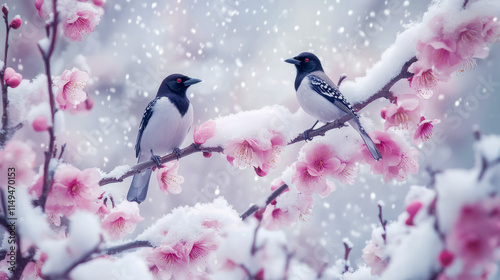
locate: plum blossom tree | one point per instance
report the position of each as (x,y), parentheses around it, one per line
(61,221)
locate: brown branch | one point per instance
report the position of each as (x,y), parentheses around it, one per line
(346,256)
(269,199)
(47,176)
(125,247)
(136,169)
(382,222)
(4,135)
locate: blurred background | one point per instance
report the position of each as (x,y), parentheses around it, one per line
(237,48)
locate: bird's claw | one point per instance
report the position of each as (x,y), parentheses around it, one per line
(156,159)
(177,152)
(306,135)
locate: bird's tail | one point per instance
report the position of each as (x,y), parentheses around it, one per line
(139,187)
(366,138)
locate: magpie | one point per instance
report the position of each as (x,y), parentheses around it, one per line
(321,98)
(165,123)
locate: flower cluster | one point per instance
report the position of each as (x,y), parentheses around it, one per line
(77,17)
(451,49)
(261,152)
(184,239)
(398,158)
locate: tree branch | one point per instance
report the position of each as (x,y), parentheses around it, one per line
(136,169)
(4,135)
(382,222)
(125,247)
(46,55)
(346,256)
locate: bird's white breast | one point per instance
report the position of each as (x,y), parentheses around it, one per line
(166,129)
(316,105)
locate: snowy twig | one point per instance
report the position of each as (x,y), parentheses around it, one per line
(382,222)
(5,100)
(346,256)
(46,55)
(254,241)
(269,199)
(136,169)
(465,4)
(322,270)
(125,247)
(23,262)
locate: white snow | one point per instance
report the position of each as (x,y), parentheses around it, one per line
(129,267)
(416,255)
(83,237)
(489,147)
(256,123)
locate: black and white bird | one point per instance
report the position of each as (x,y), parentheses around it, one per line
(164,126)
(321,98)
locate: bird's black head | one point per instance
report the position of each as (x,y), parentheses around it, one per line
(306,62)
(176,83)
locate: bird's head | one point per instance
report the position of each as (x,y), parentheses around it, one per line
(176,83)
(306,62)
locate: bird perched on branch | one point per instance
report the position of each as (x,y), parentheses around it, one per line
(165,123)
(321,98)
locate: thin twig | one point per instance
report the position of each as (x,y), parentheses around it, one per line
(322,270)
(254,241)
(382,222)
(136,169)
(346,256)
(125,247)
(5,100)
(465,4)
(47,182)
(270,199)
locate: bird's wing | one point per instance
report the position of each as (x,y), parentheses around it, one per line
(331,93)
(145,119)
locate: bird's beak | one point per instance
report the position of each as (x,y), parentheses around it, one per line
(191,81)
(293,61)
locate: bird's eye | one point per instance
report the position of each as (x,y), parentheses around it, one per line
(179,80)
(306,60)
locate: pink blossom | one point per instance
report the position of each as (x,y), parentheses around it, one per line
(16,23)
(470,41)
(441,53)
(412,209)
(73,189)
(84,19)
(405,113)
(11,78)
(98,3)
(70,85)
(296,207)
(44,8)
(475,236)
(423,79)
(16,164)
(491,30)
(204,132)
(374,256)
(398,159)
(308,183)
(424,130)
(122,220)
(262,153)
(184,259)
(40,124)
(168,179)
